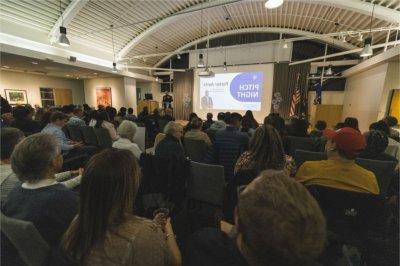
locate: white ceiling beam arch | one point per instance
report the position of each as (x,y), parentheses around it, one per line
(316,36)
(67,16)
(361,7)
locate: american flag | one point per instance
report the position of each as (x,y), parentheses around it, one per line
(295,97)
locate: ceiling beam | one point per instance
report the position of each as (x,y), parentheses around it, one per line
(170,19)
(67,16)
(380,12)
(316,36)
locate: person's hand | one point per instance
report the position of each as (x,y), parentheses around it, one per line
(78,145)
(80,171)
(168,227)
(161,220)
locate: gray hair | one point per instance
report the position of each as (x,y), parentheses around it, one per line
(127,129)
(33,156)
(172,127)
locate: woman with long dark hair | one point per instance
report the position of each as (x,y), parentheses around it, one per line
(249,123)
(103,120)
(265,152)
(105,231)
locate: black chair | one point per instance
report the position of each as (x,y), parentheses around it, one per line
(75,132)
(196,150)
(300,143)
(162,123)
(103,138)
(383,170)
(352,218)
(89,136)
(301,156)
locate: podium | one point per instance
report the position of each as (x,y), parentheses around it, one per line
(150,104)
(330,113)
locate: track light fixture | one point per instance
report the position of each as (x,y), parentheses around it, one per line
(343,38)
(285,45)
(271,4)
(157,79)
(62,39)
(329,71)
(200,63)
(225,67)
(367,50)
(360,37)
(114,69)
(178,57)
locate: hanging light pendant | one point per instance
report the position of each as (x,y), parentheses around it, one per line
(367,50)
(225,67)
(329,71)
(200,63)
(62,39)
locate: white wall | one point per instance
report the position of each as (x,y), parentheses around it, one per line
(130,93)
(363,95)
(392,82)
(32,84)
(117,90)
(328,97)
(151,87)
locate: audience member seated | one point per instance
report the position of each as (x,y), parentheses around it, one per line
(220,123)
(112,113)
(103,120)
(130,116)
(127,130)
(195,132)
(189,124)
(105,231)
(209,121)
(297,127)
(168,115)
(391,121)
(121,116)
(159,137)
(339,125)
(40,199)
(68,109)
(69,148)
(265,152)
(275,120)
(39,112)
(76,118)
(91,119)
(46,117)
(143,116)
(277,223)
(86,109)
(340,170)
(249,123)
(23,121)
(171,145)
(377,142)
(351,122)
(393,146)
(320,126)
(229,144)
(10,137)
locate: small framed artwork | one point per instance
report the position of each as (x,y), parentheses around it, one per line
(103,96)
(16,97)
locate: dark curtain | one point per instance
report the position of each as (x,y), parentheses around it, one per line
(183,93)
(285,82)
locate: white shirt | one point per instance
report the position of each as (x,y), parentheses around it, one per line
(126,144)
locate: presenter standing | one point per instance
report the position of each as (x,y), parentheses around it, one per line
(206,101)
(186,105)
(167,100)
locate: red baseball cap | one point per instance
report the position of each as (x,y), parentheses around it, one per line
(347,139)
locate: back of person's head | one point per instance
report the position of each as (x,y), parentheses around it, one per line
(168,111)
(275,120)
(122,110)
(347,142)
(36,156)
(112,112)
(209,116)
(391,121)
(381,126)
(279,222)
(9,138)
(5,107)
(249,114)
(145,110)
(86,107)
(155,111)
(20,112)
(196,123)
(113,174)
(320,125)
(351,122)
(78,112)
(67,109)
(221,116)
(339,125)
(130,110)
(377,141)
(266,149)
(192,115)
(297,127)
(172,127)
(100,117)
(127,129)
(57,115)
(236,119)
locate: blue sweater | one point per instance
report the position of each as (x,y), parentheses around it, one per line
(51,209)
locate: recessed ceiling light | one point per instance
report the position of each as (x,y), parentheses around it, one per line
(68,75)
(6,67)
(35,63)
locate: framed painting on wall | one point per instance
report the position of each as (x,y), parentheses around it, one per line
(103,96)
(15,97)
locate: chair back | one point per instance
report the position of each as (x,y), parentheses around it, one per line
(75,132)
(89,136)
(162,123)
(140,138)
(206,183)
(103,137)
(301,156)
(383,170)
(392,150)
(23,237)
(196,150)
(350,215)
(300,143)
